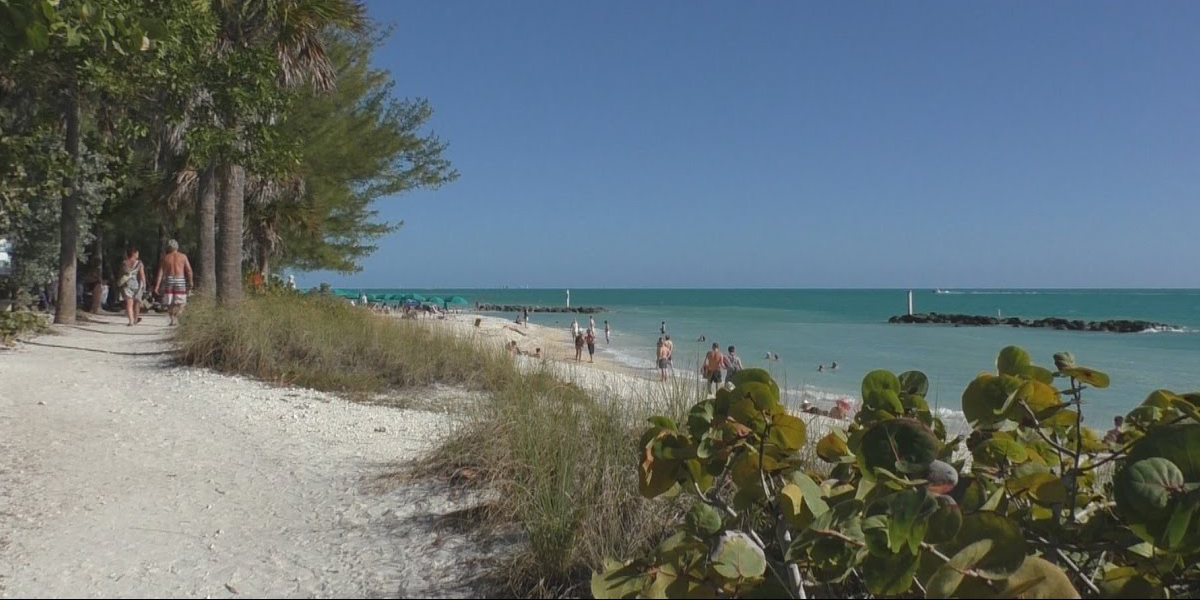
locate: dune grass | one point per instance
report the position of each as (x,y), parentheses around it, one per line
(329,345)
(558,460)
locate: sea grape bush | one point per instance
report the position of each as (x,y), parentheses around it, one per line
(1029,503)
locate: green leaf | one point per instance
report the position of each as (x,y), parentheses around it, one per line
(946,579)
(737,557)
(1145,487)
(663,422)
(37,36)
(1037,578)
(703,519)
(1177,526)
(1037,373)
(889,574)
(754,375)
(811,492)
(945,522)
(1091,377)
(787,432)
(893,440)
(984,398)
(914,382)
(1012,360)
(619,580)
(832,448)
(879,380)
(1008,544)
(700,418)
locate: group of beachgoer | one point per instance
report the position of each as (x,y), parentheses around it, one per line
(842,409)
(173,282)
(832,367)
(515,351)
(588,338)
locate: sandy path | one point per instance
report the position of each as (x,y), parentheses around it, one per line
(122,475)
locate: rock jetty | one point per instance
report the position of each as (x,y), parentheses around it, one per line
(551,309)
(1113,326)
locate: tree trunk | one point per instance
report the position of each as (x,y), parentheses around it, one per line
(64,312)
(206,215)
(229,238)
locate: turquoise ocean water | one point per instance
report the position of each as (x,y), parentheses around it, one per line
(807,328)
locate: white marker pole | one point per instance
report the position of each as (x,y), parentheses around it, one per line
(910,312)
(568,298)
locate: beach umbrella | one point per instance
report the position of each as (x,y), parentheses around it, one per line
(435,300)
(416,297)
(457,301)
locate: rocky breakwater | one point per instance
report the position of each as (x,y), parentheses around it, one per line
(551,309)
(1112,326)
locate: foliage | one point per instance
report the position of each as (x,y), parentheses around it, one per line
(14,325)
(1019,508)
(360,144)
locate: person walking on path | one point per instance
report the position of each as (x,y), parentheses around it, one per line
(177,270)
(590,338)
(131,283)
(713,362)
(664,359)
(607,331)
(578,345)
(732,364)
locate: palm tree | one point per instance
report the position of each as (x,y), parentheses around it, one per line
(292,28)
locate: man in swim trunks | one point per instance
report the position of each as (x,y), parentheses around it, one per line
(664,358)
(178,273)
(712,367)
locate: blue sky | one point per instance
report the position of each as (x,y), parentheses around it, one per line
(799,144)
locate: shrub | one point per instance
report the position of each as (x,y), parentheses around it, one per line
(326,344)
(14,325)
(1024,514)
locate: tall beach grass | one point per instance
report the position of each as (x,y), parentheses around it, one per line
(557,460)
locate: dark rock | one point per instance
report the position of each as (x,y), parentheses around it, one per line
(1114,326)
(550,309)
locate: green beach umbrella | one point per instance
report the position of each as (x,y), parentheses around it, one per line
(416,297)
(435,300)
(457,301)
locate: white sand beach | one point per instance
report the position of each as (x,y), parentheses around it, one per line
(122,474)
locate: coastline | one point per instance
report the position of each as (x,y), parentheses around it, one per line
(614,381)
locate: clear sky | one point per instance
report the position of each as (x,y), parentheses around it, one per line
(799,144)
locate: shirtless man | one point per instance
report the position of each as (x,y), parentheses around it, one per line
(178,272)
(713,362)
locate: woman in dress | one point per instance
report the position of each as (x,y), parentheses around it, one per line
(131,282)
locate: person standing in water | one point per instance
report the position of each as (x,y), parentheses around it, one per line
(131,283)
(664,358)
(662,328)
(607,331)
(178,272)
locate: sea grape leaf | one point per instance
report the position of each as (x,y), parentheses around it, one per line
(1012,360)
(946,579)
(1091,377)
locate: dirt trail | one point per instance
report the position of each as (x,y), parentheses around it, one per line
(124,475)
